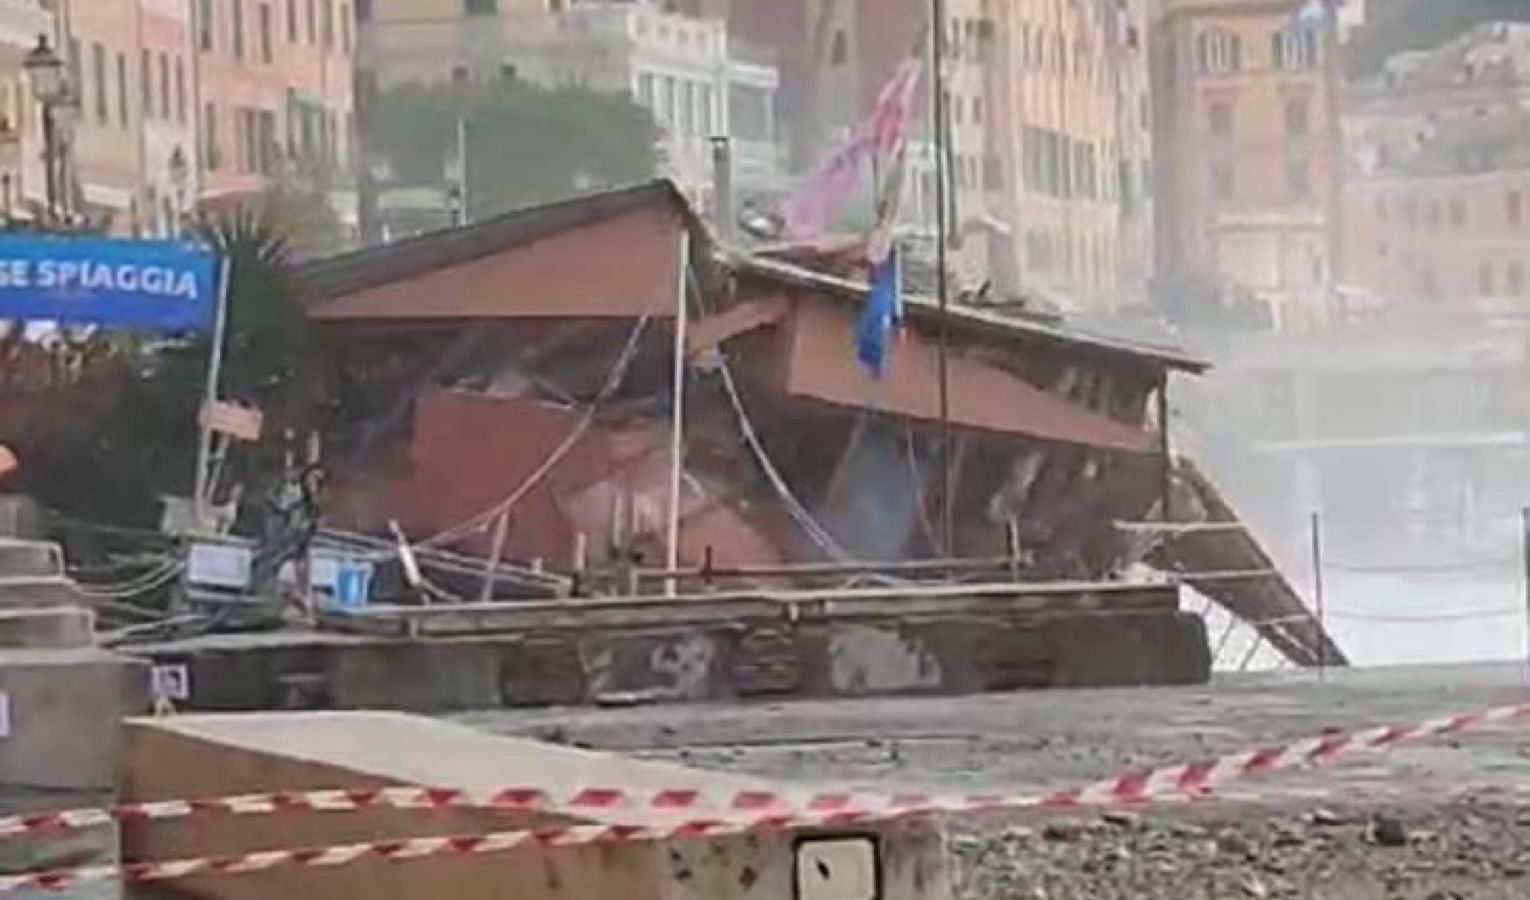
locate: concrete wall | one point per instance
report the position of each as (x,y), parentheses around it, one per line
(62,713)
(205,756)
(951,647)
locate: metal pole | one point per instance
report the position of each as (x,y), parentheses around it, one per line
(1165,452)
(1317,595)
(200,485)
(50,160)
(942,289)
(677,415)
(1524,560)
(462,170)
(1334,210)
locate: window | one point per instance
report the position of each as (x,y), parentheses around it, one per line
(1294,48)
(1297,116)
(1410,213)
(1429,283)
(1222,183)
(704,110)
(686,123)
(205,24)
(1516,279)
(313,21)
(123,106)
(210,149)
(180,90)
(236,12)
(292,21)
(345,29)
(329,24)
(479,7)
(839,53)
(1219,51)
(1457,212)
(1487,282)
(645,91)
(98,63)
(266,55)
(1299,178)
(1435,216)
(1381,209)
(146,79)
(1514,206)
(1221,118)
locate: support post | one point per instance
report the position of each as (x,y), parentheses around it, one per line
(1524,561)
(1317,595)
(462,170)
(200,486)
(1165,453)
(677,415)
(942,288)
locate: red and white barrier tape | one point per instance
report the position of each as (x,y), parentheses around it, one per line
(748,811)
(410,849)
(1127,788)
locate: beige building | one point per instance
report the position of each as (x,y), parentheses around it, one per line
(1247,175)
(1438,194)
(22,178)
(1068,102)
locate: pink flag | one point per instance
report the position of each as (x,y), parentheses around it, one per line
(818,200)
(822,196)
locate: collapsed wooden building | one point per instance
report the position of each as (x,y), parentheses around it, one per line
(509,389)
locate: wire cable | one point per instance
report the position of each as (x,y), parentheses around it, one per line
(614,379)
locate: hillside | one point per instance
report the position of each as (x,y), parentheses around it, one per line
(1394,26)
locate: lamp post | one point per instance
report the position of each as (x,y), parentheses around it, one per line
(179,171)
(45,73)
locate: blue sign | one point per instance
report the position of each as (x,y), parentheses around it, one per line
(160,286)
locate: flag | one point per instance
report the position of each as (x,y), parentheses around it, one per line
(890,128)
(818,200)
(821,197)
(876,319)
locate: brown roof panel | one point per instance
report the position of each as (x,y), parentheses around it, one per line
(600,255)
(822,366)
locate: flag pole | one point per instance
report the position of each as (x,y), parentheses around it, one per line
(942,289)
(677,416)
(200,485)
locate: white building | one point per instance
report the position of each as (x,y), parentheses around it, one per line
(687,73)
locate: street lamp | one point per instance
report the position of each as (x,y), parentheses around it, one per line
(45,72)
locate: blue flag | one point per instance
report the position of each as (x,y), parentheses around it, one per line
(154,286)
(876,319)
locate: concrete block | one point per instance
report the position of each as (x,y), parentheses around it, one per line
(1131,651)
(63,711)
(30,559)
(185,756)
(20,517)
(58,627)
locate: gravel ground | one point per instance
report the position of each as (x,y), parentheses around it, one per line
(1440,821)
(1459,850)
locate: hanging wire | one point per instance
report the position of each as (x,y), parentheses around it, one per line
(614,379)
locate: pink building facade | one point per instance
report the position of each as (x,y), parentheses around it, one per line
(274,97)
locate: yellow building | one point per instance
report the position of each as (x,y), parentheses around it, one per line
(1068,94)
(1247,176)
